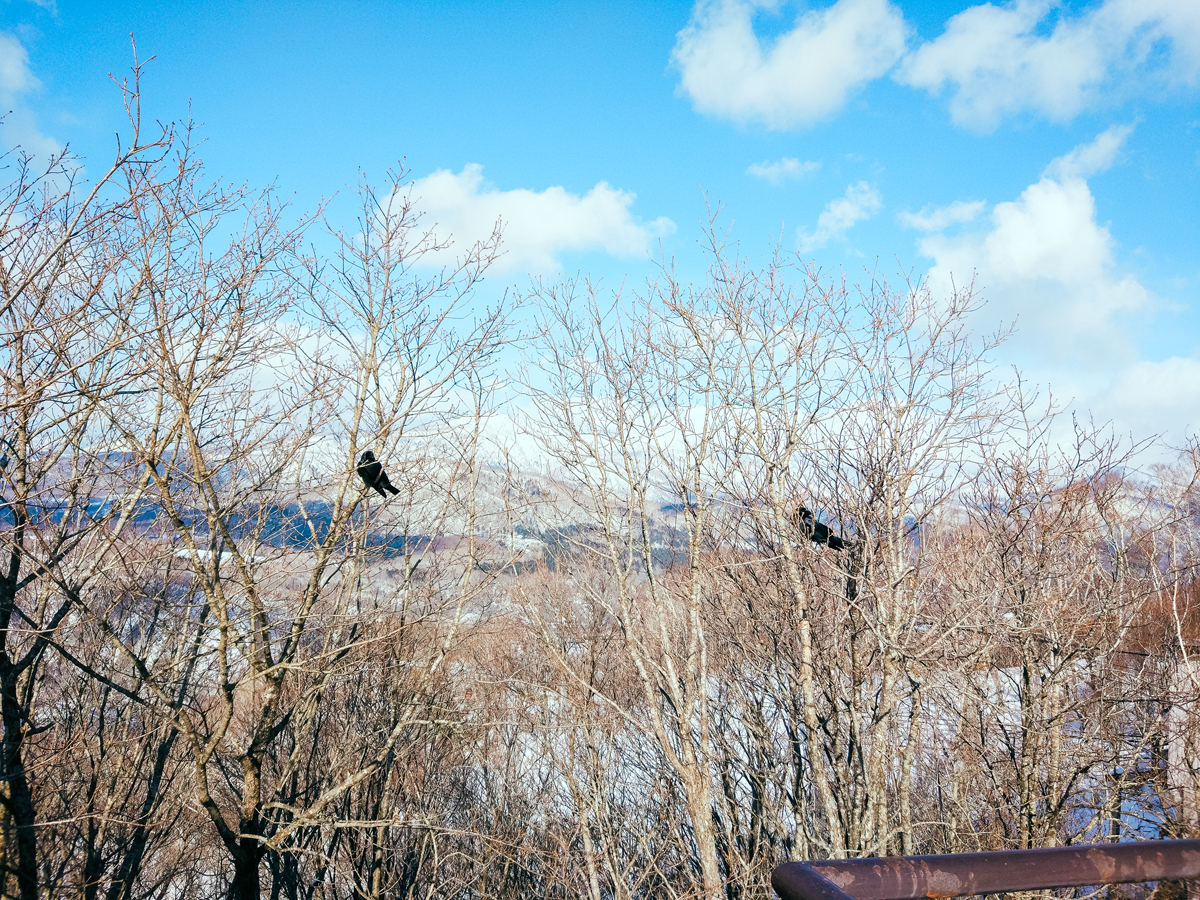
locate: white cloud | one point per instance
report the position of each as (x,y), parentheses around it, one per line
(783,169)
(938,219)
(1138,397)
(15,76)
(1087,160)
(1148,397)
(538,225)
(1046,261)
(1004,60)
(19,127)
(804,76)
(861,201)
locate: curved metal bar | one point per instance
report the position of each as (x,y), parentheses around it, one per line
(961,874)
(800,881)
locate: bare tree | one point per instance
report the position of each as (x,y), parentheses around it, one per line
(1169,562)
(655,409)
(813,584)
(64,323)
(244,437)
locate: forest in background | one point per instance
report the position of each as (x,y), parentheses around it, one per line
(228,670)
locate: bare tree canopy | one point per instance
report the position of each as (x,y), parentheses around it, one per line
(794,573)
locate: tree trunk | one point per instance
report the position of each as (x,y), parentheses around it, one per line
(19,797)
(246,859)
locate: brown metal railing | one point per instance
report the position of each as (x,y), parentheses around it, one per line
(960,874)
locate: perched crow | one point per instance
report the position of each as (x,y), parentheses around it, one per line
(817,532)
(371,472)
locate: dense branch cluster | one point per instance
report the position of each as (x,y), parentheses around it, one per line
(795,575)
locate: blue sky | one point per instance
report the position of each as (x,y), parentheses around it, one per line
(1053,149)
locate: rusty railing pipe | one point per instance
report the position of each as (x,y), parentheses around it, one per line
(960,874)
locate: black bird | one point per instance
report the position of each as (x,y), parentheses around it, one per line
(818,532)
(371,472)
